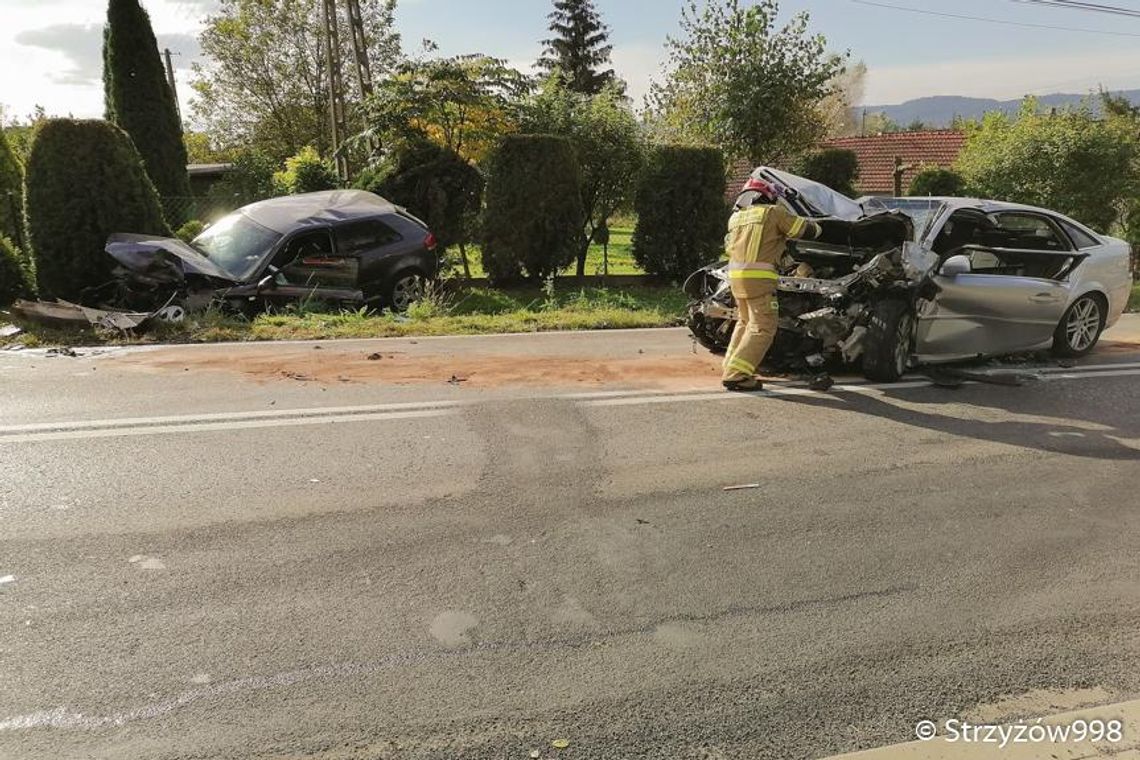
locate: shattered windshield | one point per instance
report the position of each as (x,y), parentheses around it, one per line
(237,244)
(921,210)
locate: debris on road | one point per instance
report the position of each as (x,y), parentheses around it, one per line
(456,380)
(560,743)
(748,487)
(7,579)
(10,331)
(65,351)
(822,382)
(67,314)
(375,357)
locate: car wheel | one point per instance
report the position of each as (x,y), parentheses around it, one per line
(886,355)
(1080,328)
(406,288)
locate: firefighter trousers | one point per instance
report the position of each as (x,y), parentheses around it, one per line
(759,317)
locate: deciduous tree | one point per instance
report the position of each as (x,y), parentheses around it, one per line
(738,81)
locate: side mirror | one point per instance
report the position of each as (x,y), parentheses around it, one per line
(956,265)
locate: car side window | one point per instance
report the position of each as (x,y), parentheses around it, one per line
(1029,232)
(360,237)
(1081,239)
(310,260)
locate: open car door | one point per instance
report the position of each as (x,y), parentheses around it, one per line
(995,300)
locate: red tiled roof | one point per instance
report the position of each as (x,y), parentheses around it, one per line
(877,153)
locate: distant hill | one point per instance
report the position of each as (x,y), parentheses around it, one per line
(940,111)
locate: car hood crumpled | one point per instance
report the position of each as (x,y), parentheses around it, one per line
(161,259)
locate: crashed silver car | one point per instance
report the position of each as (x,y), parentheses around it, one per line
(900,282)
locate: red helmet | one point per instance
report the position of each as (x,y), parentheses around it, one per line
(768,191)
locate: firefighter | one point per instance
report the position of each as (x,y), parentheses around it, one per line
(757,235)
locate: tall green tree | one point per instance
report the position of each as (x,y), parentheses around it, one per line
(737,81)
(264,83)
(1071,161)
(139,98)
(608,142)
(579,49)
(74,205)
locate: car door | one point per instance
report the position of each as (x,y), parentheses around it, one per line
(311,268)
(1013,297)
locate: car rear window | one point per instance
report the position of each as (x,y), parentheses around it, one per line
(1080,238)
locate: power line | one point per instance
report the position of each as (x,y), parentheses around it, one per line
(995,20)
(1082,5)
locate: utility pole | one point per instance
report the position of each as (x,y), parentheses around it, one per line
(360,48)
(173,84)
(337,126)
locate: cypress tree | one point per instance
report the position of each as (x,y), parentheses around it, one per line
(85,180)
(139,99)
(579,48)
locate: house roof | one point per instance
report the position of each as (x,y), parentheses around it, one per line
(877,153)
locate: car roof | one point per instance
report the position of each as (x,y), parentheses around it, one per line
(981,204)
(296,212)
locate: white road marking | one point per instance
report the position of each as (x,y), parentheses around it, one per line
(228,416)
(7,579)
(250,420)
(123,432)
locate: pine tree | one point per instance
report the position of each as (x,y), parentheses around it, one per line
(139,98)
(579,48)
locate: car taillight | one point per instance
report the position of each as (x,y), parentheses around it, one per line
(430,242)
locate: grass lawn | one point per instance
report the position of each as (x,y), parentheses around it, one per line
(620,255)
(1134,301)
(464,312)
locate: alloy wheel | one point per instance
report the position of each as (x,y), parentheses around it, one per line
(406,291)
(1083,325)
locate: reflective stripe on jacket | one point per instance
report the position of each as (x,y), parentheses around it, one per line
(755,243)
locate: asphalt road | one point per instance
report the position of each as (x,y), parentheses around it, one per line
(248,563)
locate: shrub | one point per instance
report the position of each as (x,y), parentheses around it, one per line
(190,230)
(140,100)
(14,279)
(85,180)
(835,167)
(434,183)
(933,181)
(305,172)
(681,211)
(11,192)
(534,208)
(250,180)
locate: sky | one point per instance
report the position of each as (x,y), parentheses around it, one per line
(50,49)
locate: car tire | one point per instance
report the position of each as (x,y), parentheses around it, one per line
(403,289)
(1081,327)
(886,354)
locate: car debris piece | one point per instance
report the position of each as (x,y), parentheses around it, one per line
(10,331)
(560,743)
(375,357)
(747,487)
(822,382)
(64,351)
(455,380)
(67,314)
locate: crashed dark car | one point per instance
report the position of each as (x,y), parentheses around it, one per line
(894,283)
(342,247)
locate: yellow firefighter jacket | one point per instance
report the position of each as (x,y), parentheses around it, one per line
(755,244)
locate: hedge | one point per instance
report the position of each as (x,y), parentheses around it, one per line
(434,183)
(937,182)
(14,280)
(834,167)
(681,211)
(85,180)
(11,192)
(534,210)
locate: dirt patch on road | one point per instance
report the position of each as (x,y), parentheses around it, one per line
(328,367)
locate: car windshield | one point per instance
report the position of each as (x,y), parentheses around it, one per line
(922,211)
(237,244)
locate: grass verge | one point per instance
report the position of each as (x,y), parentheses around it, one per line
(473,311)
(1134,301)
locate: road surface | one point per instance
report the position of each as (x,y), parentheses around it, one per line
(490,547)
